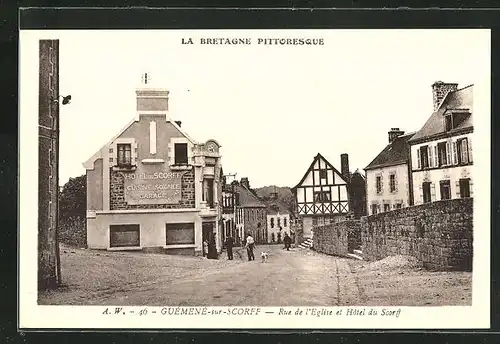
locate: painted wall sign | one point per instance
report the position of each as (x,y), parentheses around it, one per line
(152,185)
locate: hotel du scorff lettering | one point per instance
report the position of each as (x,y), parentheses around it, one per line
(152,187)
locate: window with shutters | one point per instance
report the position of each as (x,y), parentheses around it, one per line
(463,151)
(124,235)
(272,222)
(424,156)
(374,209)
(436,156)
(464,187)
(444,186)
(399,205)
(426,192)
(443,157)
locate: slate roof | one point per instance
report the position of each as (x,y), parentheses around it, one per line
(247,198)
(459,99)
(274,207)
(394,153)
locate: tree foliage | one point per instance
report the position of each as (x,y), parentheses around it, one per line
(73,199)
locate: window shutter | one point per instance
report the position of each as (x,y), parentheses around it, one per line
(430,155)
(455,159)
(465,151)
(395,182)
(436,156)
(448,153)
(470,148)
(134,153)
(418,159)
(470,188)
(457,188)
(420,193)
(433,192)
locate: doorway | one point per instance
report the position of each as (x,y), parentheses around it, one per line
(208,235)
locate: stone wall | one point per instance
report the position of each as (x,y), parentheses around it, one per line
(337,238)
(439,234)
(117,195)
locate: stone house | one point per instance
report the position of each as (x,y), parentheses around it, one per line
(441,151)
(152,186)
(251,213)
(278,220)
(388,175)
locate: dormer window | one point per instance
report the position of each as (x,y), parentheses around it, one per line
(448,122)
(453,118)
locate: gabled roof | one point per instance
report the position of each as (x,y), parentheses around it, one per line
(89,164)
(394,153)
(316,158)
(247,199)
(457,100)
(274,207)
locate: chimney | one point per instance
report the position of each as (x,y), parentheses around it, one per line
(244,181)
(178,123)
(344,165)
(274,194)
(394,133)
(440,90)
(149,97)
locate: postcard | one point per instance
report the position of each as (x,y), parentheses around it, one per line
(249,179)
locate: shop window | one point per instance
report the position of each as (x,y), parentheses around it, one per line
(124,236)
(124,154)
(179,233)
(445,189)
(181,153)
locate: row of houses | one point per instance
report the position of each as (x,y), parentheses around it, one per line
(433,163)
(430,164)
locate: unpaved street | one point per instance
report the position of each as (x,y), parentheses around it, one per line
(289,278)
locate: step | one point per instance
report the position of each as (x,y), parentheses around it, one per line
(355,256)
(358,252)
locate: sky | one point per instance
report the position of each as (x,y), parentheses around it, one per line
(272,108)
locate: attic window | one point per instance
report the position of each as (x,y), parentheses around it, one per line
(448,122)
(322,174)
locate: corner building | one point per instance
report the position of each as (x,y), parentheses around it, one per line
(152,187)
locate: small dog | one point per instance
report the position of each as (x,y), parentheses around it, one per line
(264,256)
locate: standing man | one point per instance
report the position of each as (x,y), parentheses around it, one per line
(250,245)
(229,246)
(287,240)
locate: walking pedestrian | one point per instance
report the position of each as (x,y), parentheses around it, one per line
(287,240)
(250,243)
(229,247)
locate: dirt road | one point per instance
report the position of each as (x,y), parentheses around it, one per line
(289,278)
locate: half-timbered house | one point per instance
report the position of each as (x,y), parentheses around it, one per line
(322,195)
